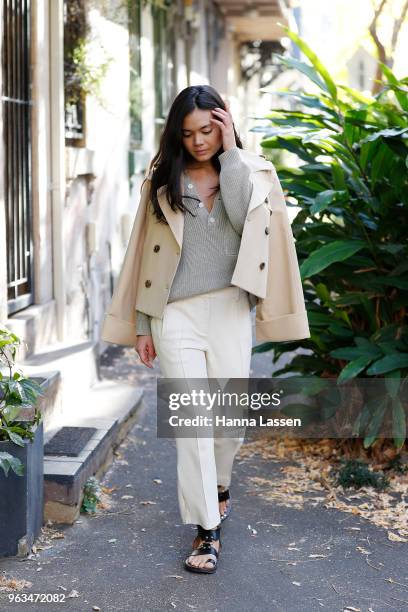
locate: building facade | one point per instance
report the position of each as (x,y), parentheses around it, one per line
(86,86)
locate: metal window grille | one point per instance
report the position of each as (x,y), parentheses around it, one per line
(16,103)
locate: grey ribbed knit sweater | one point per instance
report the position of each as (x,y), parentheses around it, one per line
(211,240)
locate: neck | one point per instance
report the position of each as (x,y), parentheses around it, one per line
(196,165)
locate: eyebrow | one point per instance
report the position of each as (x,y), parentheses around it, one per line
(201,128)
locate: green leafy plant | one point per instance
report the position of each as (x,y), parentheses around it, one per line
(18,395)
(351,189)
(396,464)
(92,495)
(83,75)
(355,473)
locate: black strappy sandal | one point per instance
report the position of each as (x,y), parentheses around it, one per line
(205,548)
(224,496)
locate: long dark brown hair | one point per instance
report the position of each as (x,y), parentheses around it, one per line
(172,157)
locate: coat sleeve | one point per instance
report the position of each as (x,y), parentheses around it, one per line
(119,325)
(282,314)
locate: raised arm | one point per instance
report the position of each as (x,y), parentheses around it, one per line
(235,186)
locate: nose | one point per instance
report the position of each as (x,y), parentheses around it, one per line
(198,139)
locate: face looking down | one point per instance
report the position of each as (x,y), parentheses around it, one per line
(201,137)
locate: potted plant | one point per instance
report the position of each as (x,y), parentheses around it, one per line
(21,453)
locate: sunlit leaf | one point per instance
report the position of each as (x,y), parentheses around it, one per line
(339,250)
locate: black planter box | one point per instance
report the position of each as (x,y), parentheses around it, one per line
(22,497)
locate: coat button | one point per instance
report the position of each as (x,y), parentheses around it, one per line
(148,283)
(266,200)
(266,230)
(156,248)
(270,212)
(262,265)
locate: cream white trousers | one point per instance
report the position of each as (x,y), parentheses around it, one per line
(204,336)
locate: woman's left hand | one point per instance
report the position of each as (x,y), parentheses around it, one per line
(223,119)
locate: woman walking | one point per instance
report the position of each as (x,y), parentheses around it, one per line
(199,258)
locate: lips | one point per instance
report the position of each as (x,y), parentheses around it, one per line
(201,152)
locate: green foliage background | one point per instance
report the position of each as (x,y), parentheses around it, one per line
(351,188)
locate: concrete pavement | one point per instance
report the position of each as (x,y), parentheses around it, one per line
(130,556)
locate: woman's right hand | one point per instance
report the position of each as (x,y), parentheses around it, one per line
(145,349)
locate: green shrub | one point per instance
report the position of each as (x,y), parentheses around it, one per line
(355,473)
(351,187)
(397,465)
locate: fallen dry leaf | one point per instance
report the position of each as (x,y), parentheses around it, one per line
(363,551)
(305,479)
(175,576)
(393,537)
(13,584)
(109,489)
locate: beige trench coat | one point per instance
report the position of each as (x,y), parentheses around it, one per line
(266,267)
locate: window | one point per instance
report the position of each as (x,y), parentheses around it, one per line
(135,87)
(165,67)
(75,70)
(16,107)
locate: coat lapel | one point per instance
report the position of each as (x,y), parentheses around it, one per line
(261,188)
(262,185)
(174,219)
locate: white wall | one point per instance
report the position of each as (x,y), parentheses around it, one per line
(103,199)
(41,155)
